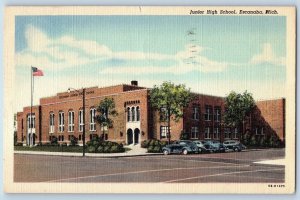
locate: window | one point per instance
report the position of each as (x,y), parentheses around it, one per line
(71,121)
(235,134)
(133,113)
(128,115)
(208,113)
(92,119)
(262,131)
(163,131)
(51,122)
(61,122)
(256,131)
(164,114)
(217,114)
(195,113)
(227,133)
(207,133)
(195,132)
(138,113)
(80,119)
(216,133)
(30,121)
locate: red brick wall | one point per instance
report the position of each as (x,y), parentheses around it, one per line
(270,115)
(201,101)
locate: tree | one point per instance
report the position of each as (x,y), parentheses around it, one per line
(105,109)
(237,108)
(170,99)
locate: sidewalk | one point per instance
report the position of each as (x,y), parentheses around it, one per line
(135,151)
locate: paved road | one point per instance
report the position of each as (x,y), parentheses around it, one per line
(195,168)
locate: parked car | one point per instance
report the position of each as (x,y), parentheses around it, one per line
(182,146)
(201,146)
(234,145)
(214,146)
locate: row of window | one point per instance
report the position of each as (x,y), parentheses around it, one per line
(208,132)
(133,114)
(208,115)
(71,121)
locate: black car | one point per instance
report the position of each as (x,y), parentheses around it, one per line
(182,146)
(214,146)
(234,145)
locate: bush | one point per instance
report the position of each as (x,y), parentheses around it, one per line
(263,142)
(145,144)
(97,146)
(253,141)
(154,149)
(64,144)
(73,141)
(91,149)
(19,144)
(184,136)
(54,141)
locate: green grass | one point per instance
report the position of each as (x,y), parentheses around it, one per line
(77,149)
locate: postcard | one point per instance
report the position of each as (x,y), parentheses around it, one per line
(149,99)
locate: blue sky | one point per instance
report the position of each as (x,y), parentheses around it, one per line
(222,54)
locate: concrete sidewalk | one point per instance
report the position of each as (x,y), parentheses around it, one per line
(135,151)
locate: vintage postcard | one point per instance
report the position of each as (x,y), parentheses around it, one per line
(149,100)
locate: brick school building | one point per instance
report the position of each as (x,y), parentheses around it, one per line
(61,116)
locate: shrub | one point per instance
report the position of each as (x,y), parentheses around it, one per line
(253,141)
(91,149)
(73,141)
(19,144)
(263,142)
(154,149)
(54,141)
(64,144)
(150,149)
(184,136)
(145,144)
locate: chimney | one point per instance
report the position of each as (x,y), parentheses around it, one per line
(135,83)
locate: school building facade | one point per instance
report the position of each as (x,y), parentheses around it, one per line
(61,116)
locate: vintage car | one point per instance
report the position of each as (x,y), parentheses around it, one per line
(180,147)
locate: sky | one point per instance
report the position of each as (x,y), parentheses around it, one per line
(210,54)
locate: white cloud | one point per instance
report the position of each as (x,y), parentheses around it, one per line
(67,51)
(267,56)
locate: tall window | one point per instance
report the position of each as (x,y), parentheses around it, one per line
(163,131)
(80,120)
(61,121)
(208,113)
(92,119)
(227,132)
(71,121)
(194,132)
(51,122)
(30,121)
(163,114)
(128,115)
(235,136)
(138,116)
(195,113)
(133,113)
(217,114)
(207,133)
(216,133)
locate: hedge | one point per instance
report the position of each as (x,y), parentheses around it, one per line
(97,146)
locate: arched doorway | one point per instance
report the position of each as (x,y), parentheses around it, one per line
(129,136)
(136,135)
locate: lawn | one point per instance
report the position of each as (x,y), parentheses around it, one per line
(77,149)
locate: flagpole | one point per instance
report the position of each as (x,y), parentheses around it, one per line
(30,121)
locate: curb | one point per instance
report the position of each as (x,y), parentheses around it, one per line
(86,155)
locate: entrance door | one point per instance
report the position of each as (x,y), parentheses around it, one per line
(136,135)
(129,136)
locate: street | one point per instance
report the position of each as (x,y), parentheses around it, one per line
(231,167)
